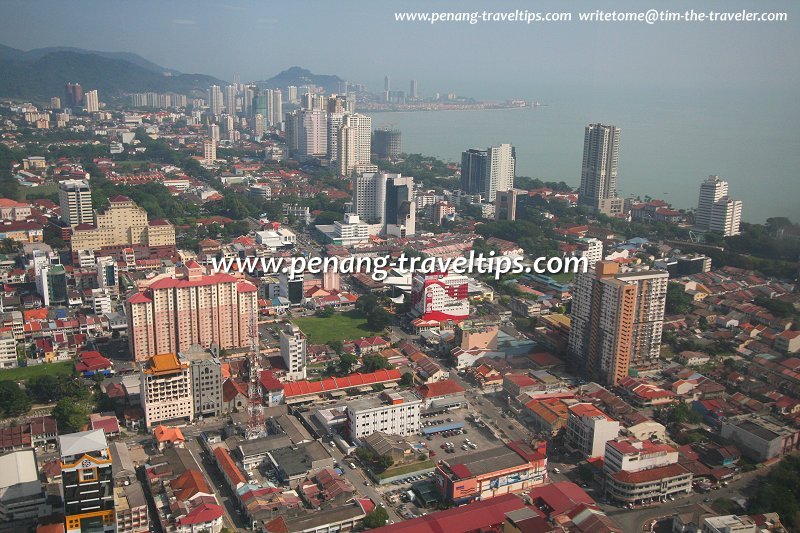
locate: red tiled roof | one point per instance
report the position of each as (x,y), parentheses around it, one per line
(213,279)
(168,434)
(269,381)
(202,514)
(227,465)
(440,388)
(303,388)
(653,474)
(478,516)
(560,497)
(140,298)
(188,484)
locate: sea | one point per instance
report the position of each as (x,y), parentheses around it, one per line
(670,141)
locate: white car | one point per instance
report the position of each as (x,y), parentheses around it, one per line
(556,470)
(352,465)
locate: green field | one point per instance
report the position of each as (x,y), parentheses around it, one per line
(40,191)
(339,327)
(64,368)
(406,469)
(563,277)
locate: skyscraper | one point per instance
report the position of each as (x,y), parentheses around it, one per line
(726,215)
(209,151)
(335,121)
(190,307)
(86,480)
(487,171)
(598,188)
(369,196)
(387,83)
(75,199)
(92,101)
(712,189)
(505,205)
(616,320)
(400,212)
(355,143)
(412,89)
(277,109)
(387,143)
(715,210)
(213,132)
(307,133)
(73,94)
(230,99)
(215,102)
(291,94)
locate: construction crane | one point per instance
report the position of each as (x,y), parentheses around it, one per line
(255,404)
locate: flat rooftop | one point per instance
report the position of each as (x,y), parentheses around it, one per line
(758,430)
(486,461)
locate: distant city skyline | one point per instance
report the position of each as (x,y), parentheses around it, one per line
(666,55)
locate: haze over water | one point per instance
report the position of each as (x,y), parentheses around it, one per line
(670,141)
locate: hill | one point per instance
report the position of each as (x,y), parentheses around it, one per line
(298,76)
(7,52)
(41,77)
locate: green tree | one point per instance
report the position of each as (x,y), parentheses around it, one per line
(13,400)
(347,362)
(376,518)
(678,301)
(385,461)
(337,346)
(378,319)
(70,415)
(373,362)
(407,379)
(585,472)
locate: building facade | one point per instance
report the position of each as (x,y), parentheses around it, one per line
(598,188)
(293,351)
(617,319)
(86,479)
(75,200)
(395,413)
(440,296)
(166,389)
(589,429)
(174,312)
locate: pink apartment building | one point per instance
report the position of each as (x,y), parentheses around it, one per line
(173,312)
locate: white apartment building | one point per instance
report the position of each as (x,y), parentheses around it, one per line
(293,351)
(633,455)
(75,199)
(589,429)
(394,413)
(591,249)
(726,217)
(354,146)
(166,389)
(501,161)
(92,101)
(8,350)
(369,195)
(440,296)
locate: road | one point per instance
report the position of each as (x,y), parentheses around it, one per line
(356,477)
(490,408)
(633,520)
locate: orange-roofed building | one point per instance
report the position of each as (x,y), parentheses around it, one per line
(168,436)
(166,389)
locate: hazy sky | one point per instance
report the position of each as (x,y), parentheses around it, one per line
(360,41)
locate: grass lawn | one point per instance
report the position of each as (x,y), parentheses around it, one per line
(42,190)
(339,327)
(563,277)
(26,372)
(406,469)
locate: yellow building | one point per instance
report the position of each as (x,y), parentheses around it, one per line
(123,223)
